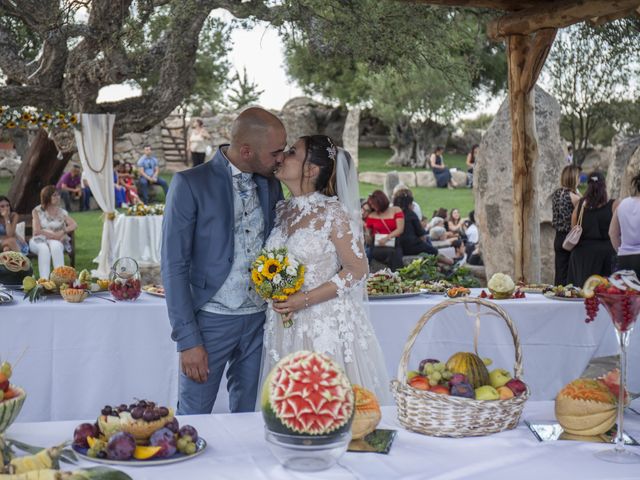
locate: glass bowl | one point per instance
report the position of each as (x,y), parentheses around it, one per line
(307,453)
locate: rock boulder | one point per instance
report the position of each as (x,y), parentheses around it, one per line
(493,187)
(621,153)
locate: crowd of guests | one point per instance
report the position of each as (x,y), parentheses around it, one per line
(610,237)
(396,228)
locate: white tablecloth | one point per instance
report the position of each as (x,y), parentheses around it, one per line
(139,238)
(83,356)
(237,450)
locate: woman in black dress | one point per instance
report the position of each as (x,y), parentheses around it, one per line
(440,170)
(563,202)
(594,253)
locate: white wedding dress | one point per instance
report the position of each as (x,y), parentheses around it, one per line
(317,233)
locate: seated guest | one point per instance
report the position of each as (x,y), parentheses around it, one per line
(51,228)
(414,206)
(119,191)
(414,240)
(70,187)
(9,239)
(149,169)
(460,256)
(440,170)
(438,237)
(454,222)
(386,224)
(86,193)
(127,179)
(471,232)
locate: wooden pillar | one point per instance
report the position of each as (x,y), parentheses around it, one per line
(526,56)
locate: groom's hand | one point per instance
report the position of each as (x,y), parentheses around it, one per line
(195,363)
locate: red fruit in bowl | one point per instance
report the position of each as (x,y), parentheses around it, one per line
(173,425)
(81,433)
(440,389)
(518,387)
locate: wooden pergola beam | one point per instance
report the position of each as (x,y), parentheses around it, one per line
(559,14)
(597,21)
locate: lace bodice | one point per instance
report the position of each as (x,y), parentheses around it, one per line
(317,231)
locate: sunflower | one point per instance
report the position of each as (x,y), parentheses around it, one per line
(11,124)
(281,298)
(64,125)
(73,119)
(61,116)
(271,267)
(256,277)
(26,116)
(289,291)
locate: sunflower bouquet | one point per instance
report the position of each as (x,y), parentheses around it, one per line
(276,275)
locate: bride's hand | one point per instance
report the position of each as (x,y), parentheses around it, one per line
(292,304)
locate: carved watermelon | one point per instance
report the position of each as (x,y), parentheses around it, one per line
(307,393)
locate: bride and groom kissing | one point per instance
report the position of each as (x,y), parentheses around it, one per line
(218,217)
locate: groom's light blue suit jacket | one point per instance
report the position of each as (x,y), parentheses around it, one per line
(197,240)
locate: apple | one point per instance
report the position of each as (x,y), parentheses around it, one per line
(439,389)
(457,378)
(463,389)
(505,392)
(499,377)
(419,383)
(517,386)
(487,392)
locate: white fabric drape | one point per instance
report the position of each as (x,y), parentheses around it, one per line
(95,148)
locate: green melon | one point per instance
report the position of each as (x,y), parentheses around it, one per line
(470,365)
(307,393)
(9,409)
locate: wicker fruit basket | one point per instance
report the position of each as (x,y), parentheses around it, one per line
(449,416)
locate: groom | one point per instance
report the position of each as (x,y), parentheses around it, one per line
(216,220)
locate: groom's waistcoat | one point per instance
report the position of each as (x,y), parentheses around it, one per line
(198,245)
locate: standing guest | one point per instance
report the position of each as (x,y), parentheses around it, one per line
(625,230)
(51,228)
(197,142)
(594,253)
(70,187)
(569,157)
(386,224)
(471,161)
(563,202)
(9,239)
(149,169)
(454,222)
(86,193)
(440,170)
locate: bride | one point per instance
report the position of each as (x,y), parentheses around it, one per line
(321,228)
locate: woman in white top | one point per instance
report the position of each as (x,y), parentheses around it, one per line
(51,228)
(624,230)
(198,142)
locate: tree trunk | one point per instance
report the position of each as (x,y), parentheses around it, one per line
(429,135)
(526,56)
(40,167)
(402,144)
(351,133)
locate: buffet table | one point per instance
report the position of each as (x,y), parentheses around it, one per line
(80,357)
(237,449)
(139,238)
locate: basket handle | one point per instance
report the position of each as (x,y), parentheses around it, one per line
(404,360)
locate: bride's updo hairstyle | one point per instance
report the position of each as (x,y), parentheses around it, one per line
(322,152)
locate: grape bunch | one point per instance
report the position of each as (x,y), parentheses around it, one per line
(592,305)
(187,438)
(437,373)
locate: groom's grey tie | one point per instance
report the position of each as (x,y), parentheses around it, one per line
(244,183)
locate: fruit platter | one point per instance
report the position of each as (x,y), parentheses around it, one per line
(63,281)
(139,434)
(564,292)
(532,287)
(436,287)
(516,294)
(386,284)
(156,290)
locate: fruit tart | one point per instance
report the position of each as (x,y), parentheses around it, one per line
(139,419)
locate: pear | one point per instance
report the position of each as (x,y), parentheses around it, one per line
(6,369)
(28,284)
(499,377)
(487,392)
(412,373)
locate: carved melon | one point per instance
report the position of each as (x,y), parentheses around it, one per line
(307,393)
(470,365)
(367,415)
(585,407)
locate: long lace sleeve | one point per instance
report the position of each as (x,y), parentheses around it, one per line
(349,246)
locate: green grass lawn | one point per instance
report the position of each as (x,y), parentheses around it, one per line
(89,230)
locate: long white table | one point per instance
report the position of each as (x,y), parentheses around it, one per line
(237,449)
(82,356)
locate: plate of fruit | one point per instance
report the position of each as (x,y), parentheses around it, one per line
(155,290)
(564,292)
(532,287)
(141,434)
(438,287)
(387,285)
(517,294)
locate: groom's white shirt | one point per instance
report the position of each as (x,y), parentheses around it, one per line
(236,296)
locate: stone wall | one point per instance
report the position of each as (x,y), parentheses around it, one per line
(493,186)
(130,146)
